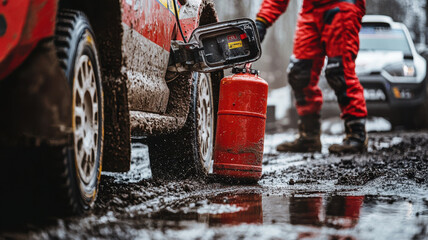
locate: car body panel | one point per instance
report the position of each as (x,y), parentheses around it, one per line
(134,56)
(148,28)
(27,22)
(152,19)
(147,32)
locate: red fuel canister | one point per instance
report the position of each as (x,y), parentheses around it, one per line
(241,119)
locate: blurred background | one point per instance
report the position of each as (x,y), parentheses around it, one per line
(278,44)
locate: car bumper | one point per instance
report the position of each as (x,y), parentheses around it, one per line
(397,96)
(384,98)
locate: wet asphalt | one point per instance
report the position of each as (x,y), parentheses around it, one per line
(381,194)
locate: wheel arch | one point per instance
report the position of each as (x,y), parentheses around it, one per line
(203,11)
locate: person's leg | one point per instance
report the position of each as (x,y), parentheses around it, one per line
(342,23)
(306,65)
(303,75)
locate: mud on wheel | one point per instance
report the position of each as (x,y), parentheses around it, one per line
(81,167)
(188,152)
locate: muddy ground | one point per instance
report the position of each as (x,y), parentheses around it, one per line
(381,194)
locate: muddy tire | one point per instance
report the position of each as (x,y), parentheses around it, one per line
(189,152)
(80,166)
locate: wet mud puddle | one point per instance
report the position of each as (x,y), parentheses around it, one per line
(378,195)
(314,216)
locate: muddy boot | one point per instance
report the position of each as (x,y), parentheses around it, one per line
(355,140)
(309,136)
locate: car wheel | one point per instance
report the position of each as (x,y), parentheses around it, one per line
(188,152)
(81,167)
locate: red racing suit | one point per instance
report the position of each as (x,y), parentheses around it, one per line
(324,28)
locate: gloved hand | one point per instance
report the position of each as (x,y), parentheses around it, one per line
(261,27)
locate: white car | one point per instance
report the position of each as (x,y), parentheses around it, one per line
(392,73)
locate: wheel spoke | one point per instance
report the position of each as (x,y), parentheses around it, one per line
(79,112)
(79,151)
(88,163)
(91,82)
(79,132)
(94,129)
(84,163)
(95,107)
(81,78)
(79,92)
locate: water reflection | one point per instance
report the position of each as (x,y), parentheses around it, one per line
(343,211)
(249,210)
(339,212)
(332,211)
(305,211)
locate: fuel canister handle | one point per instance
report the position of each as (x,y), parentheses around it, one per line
(245,69)
(248,66)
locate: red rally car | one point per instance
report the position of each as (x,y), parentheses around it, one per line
(79,78)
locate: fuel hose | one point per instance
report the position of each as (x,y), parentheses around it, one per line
(178,20)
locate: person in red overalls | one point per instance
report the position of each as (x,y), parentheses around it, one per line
(324,28)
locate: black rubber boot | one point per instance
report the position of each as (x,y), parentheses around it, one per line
(356,137)
(309,136)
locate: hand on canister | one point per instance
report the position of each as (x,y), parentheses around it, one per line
(261,28)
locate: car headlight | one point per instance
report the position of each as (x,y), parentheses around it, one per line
(401,70)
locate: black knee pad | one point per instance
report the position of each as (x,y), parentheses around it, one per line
(299,76)
(336,79)
(330,14)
